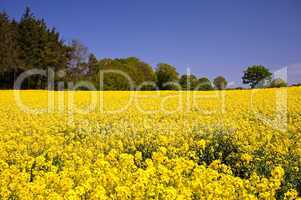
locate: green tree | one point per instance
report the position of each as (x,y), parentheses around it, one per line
(188,82)
(256,74)
(9,51)
(56,54)
(204,84)
(40,47)
(220,83)
(165,74)
(31,40)
(137,71)
(93,66)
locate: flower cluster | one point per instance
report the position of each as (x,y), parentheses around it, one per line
(226,153)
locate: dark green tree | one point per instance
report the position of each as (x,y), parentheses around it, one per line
(204,84)
(56,54)
(220,83)
(92,64)
(9,51)
(31,40)
(165,74)
(40,47)
(256,74)
(188,82)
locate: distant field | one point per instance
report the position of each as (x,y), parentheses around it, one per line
(242,144)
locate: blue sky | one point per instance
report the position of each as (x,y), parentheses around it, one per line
(211,37)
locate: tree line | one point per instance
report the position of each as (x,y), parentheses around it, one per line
(30,44)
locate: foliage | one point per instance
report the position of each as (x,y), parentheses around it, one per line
(29,44)
(256,74)
(78,68)
(278,82)
(220,83)
(92,65)
(166,75)
(133,70)
(9,51)
(188,82)
(204,84)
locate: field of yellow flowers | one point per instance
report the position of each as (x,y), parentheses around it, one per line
(240,144)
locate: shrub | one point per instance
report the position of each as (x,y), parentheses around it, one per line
(278,82)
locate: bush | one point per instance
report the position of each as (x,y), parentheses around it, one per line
(278,82)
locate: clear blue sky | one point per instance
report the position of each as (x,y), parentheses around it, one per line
(211,37)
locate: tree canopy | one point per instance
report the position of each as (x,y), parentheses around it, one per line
(188,82)
(30,44)
(220,83)
(204,84)
(256,74)
(166,75)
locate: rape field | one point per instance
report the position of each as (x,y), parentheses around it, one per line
(242,144)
